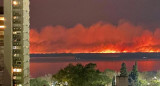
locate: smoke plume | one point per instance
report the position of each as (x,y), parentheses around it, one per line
(98,38)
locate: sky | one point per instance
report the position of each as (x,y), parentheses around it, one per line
(88,26)
(94,26)
(87,12)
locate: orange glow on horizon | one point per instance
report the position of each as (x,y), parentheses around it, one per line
(107,51)
(98,38)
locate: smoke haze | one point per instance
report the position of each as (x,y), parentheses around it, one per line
(98,38)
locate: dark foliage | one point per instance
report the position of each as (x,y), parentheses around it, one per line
(79,75)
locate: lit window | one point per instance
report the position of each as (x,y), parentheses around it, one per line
(15,17)
(14,77)
(2,26)
(19,84)
(15,32)
(17,77)
(15,55)
(17,70)
(15,3)
(16,47)
(1,18)
(26,46)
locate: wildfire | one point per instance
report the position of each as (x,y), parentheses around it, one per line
(109,51)
(113,51)
(98,38)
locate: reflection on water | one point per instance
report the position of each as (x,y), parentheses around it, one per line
(42,68)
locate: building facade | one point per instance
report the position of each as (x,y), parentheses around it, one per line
(1,46)
(16,43)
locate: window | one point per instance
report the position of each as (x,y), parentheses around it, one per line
(18,62)
(16,44)
(16,13)
(16,32)
(17,77)
(17,70)
(16,28)
(16,47)
(16,55)
(16,3)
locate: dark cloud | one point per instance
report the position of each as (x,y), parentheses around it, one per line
(87,12)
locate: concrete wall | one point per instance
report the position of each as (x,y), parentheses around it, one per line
(121,81)
(8,43)
(1,50)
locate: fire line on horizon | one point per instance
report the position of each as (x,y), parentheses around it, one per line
(98,38)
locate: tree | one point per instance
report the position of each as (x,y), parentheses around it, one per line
(114,81)
(48,78)
(155,83)
(123,70)
(133,77)
(110,74)
(79,75)
(158,74)
(38,82)
(142,82)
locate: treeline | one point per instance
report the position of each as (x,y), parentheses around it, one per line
(76,75)
(136,78)
(88,75)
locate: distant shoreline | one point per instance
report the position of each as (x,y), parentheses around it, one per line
(94,57)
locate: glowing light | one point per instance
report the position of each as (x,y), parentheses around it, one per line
(2,26)
(151,51)
(15,3)
(125,51)
(14,17)
(19,85)
(14,32)
(109,51)
(17,70)
(14,77)
(2,18)
(17,77)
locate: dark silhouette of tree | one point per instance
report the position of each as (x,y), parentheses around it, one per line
(133,76)
(79,75)
(123,70)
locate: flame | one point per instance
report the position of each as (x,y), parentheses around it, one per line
(98,38)
(109,51)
